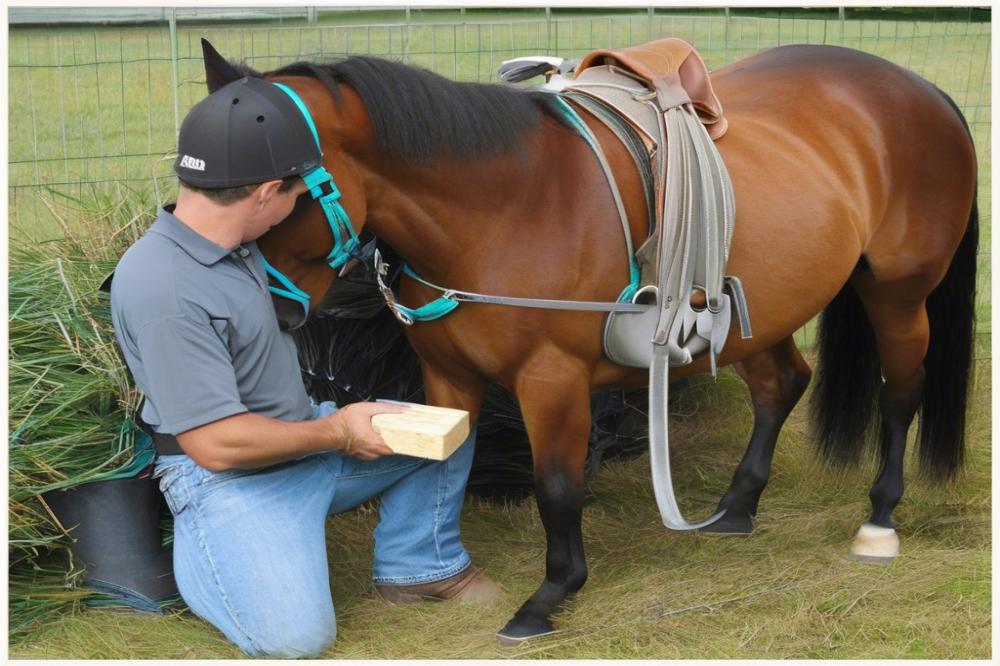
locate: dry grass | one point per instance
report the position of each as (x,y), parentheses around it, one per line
(788,591)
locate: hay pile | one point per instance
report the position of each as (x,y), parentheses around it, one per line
(71,398)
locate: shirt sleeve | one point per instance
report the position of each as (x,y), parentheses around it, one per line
(189,373)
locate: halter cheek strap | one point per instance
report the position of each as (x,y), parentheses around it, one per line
(288,289)
(345,240)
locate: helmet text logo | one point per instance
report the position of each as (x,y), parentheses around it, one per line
(192,163)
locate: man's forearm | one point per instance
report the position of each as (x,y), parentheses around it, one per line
(250,440)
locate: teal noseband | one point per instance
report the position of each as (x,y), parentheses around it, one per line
(345,239)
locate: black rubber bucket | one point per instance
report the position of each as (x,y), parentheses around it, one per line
(116,527)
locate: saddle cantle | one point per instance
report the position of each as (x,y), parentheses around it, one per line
(672,69)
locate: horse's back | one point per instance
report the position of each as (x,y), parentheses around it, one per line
(795,73)
(834,104)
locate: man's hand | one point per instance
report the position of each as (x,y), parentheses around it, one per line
(353,431)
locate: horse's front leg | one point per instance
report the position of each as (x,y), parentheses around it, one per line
(554,394)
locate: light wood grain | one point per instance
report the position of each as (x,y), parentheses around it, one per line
(423,431)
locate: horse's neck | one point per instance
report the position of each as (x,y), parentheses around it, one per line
(442,213)
(546,200)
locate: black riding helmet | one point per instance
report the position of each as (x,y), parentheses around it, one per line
(246,132)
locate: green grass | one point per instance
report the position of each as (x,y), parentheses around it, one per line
(788,591)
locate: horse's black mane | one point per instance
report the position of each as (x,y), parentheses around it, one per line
(418,115)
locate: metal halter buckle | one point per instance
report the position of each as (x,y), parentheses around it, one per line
(381,275)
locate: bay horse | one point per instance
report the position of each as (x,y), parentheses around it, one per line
(855,189)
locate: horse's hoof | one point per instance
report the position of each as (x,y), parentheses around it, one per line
(729,525)
(521,629)
(875,545)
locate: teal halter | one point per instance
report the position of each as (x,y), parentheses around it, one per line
(345,239)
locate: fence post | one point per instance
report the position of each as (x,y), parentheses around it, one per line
(726,39)
(548,30)
(173,71)
(649,24)
(311,14)
(406,37)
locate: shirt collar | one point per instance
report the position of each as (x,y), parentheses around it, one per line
(200,248)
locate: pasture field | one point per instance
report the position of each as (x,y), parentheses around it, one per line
(787,591)
(92,115)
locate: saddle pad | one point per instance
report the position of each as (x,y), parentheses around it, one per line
(674,70)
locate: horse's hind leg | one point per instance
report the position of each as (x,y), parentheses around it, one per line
(899,321)
(777,378)
(554,393)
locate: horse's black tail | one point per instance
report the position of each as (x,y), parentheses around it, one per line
(951,309)
(844,402)
(848,376)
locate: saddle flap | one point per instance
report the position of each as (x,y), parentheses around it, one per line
(674,70)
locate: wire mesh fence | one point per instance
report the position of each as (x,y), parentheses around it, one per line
(94,110)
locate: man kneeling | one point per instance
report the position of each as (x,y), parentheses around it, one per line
(249,466)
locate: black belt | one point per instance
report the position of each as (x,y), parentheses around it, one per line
(166,445)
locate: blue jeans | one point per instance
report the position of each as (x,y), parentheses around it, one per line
(250,546)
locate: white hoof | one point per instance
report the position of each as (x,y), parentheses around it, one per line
(875,544)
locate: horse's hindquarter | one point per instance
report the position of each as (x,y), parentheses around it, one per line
(806,185)
(822,149)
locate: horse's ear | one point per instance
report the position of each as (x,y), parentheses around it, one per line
(218,70)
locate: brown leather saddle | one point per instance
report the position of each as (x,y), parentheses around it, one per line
(662,89)
(674,70)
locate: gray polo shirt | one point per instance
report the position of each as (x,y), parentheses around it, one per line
(198,330)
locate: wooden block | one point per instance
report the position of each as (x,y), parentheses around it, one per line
(423,431)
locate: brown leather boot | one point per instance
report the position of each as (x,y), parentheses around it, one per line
(470,585)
